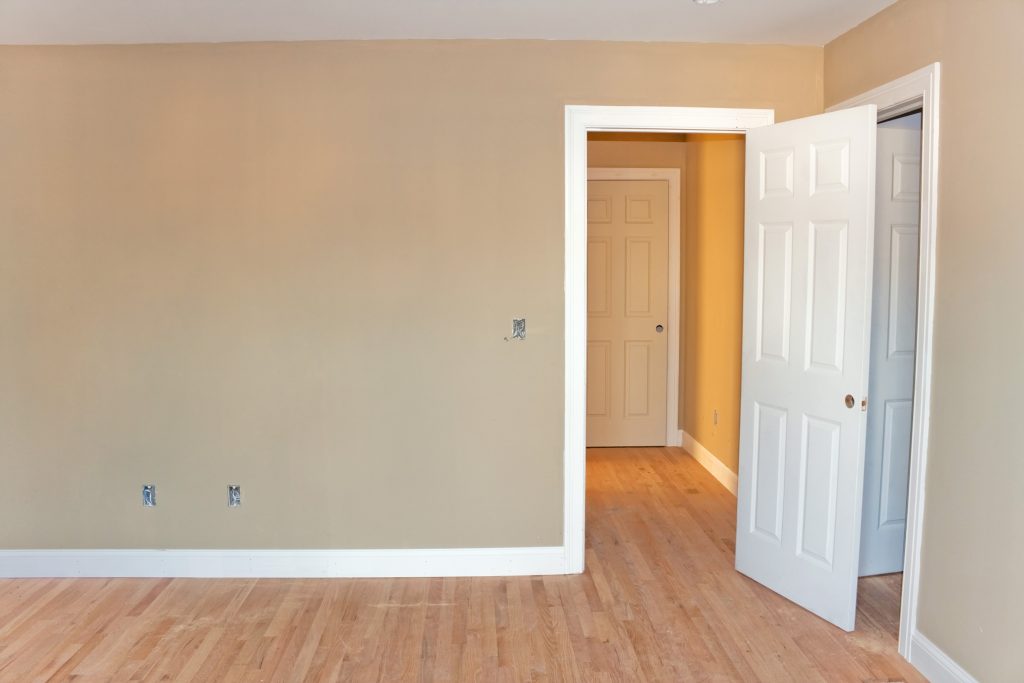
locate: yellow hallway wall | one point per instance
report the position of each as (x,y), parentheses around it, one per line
(713,292)
(291,266)
(971,596)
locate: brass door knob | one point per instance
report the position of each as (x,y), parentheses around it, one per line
(850,401)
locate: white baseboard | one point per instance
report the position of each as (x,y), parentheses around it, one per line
(725,476)
(283,563)
(936,665)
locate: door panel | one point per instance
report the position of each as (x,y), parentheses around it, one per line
(819,479)
(775,278)
(893,344)
(599,377)
(627,295)
(638,277)
(768,463)
(826,321)
(599,276)
(807,297)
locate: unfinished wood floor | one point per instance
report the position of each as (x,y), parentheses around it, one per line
(659,601)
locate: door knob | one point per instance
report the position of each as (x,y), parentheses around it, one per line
(659,329)
(850,401)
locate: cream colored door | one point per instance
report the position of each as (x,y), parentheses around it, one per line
(627,312)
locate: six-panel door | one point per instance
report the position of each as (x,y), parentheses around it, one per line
(807,296)
(627,301)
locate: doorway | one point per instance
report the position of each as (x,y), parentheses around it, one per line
(708,306)
(628,207)
(917,89)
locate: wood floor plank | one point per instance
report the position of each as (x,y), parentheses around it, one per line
(659,601)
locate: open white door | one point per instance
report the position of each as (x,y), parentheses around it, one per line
(810,193)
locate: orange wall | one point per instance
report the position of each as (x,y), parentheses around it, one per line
(713,292)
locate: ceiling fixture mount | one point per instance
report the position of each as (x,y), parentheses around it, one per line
(705,2)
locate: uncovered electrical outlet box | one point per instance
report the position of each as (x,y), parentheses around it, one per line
(234,495)
(149,495)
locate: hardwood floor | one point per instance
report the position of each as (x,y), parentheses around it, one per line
(659,601)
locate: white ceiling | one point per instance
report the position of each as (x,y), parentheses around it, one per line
(795,22)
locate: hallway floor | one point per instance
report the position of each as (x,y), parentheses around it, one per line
(659,601)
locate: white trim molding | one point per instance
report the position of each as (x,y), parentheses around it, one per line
(673,176)
(918,90)
(936,665)
(580,120)
(709,461)
(283,563)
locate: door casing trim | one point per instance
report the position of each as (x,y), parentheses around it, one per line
(917,90)
(580,120)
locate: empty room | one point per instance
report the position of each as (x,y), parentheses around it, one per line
(535,341)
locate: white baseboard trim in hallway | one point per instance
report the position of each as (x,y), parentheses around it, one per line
(936,665)
(725,476)
(283,563)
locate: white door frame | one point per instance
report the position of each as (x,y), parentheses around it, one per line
(580,120)
(918,90)
(673,177)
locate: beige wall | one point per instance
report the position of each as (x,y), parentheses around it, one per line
(714,292)
(292,266)
(972,595)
